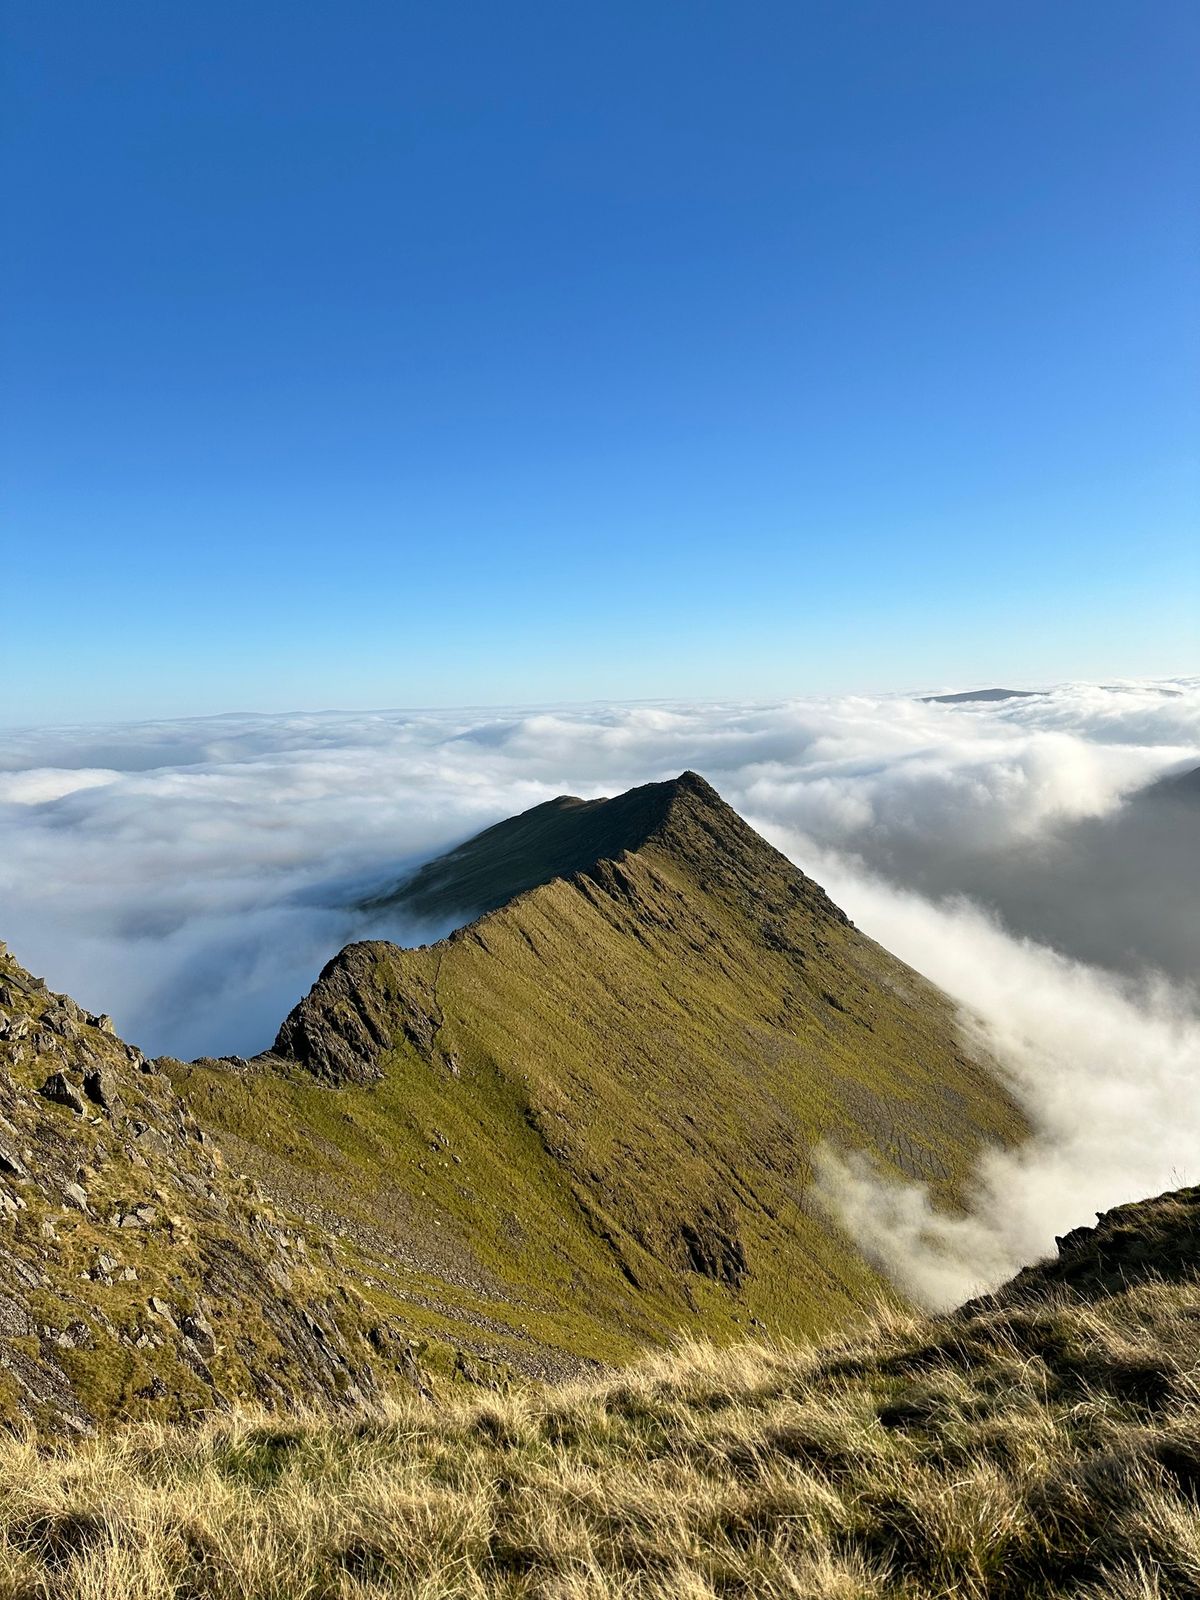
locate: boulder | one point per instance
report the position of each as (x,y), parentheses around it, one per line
(62,1093)
(199,1329)
(139,1217)
(98,1088)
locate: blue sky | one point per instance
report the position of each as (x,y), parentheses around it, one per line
(391,354)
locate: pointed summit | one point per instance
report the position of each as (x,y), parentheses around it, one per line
(557,839)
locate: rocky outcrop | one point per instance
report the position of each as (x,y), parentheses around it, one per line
(138,1276)
(365,1001)
(710,1245)
(1135,1243)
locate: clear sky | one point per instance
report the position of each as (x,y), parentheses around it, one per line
(364,354)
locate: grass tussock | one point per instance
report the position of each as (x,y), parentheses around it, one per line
(1044,1450)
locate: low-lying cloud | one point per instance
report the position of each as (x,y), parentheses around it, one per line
(1108,1069)
(191,878)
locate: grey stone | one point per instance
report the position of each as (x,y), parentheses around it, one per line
(98,1089)
(11,1163)
(139,1217)
(198,1328)
(61,1093)
(61,1022)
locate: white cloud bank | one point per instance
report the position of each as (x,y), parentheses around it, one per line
(192,877)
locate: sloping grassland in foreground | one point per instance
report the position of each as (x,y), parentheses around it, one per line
(1044,1442)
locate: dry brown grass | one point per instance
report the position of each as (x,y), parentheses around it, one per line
(1032,1451)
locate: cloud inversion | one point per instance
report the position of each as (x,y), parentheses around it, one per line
(191,878)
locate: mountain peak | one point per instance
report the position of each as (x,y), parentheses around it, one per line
(613,1079)
(689,782)
(555,839)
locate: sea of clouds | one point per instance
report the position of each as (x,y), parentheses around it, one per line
(191,878)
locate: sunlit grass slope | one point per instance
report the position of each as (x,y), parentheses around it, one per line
(1044,1444)
(586,1122)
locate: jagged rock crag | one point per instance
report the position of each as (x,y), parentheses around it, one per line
(1144,1241)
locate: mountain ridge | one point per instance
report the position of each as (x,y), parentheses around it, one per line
(684,815)
(561,837)
(582,1125)
(643,1053)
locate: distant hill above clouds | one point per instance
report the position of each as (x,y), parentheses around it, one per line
(970,695)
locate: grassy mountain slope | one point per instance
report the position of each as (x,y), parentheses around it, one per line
(586,1121)
(1044,1445)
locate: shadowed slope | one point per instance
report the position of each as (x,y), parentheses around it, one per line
(1118,890)
(586,1121)
(1181,786)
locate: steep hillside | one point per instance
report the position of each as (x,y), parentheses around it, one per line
(1117,891)
(1040,1446)
(1183,787)
(137,1274)
(585,1122)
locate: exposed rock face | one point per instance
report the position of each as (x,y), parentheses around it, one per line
(711,1247)
(125,1245)
(61,1092)
(353,1015)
